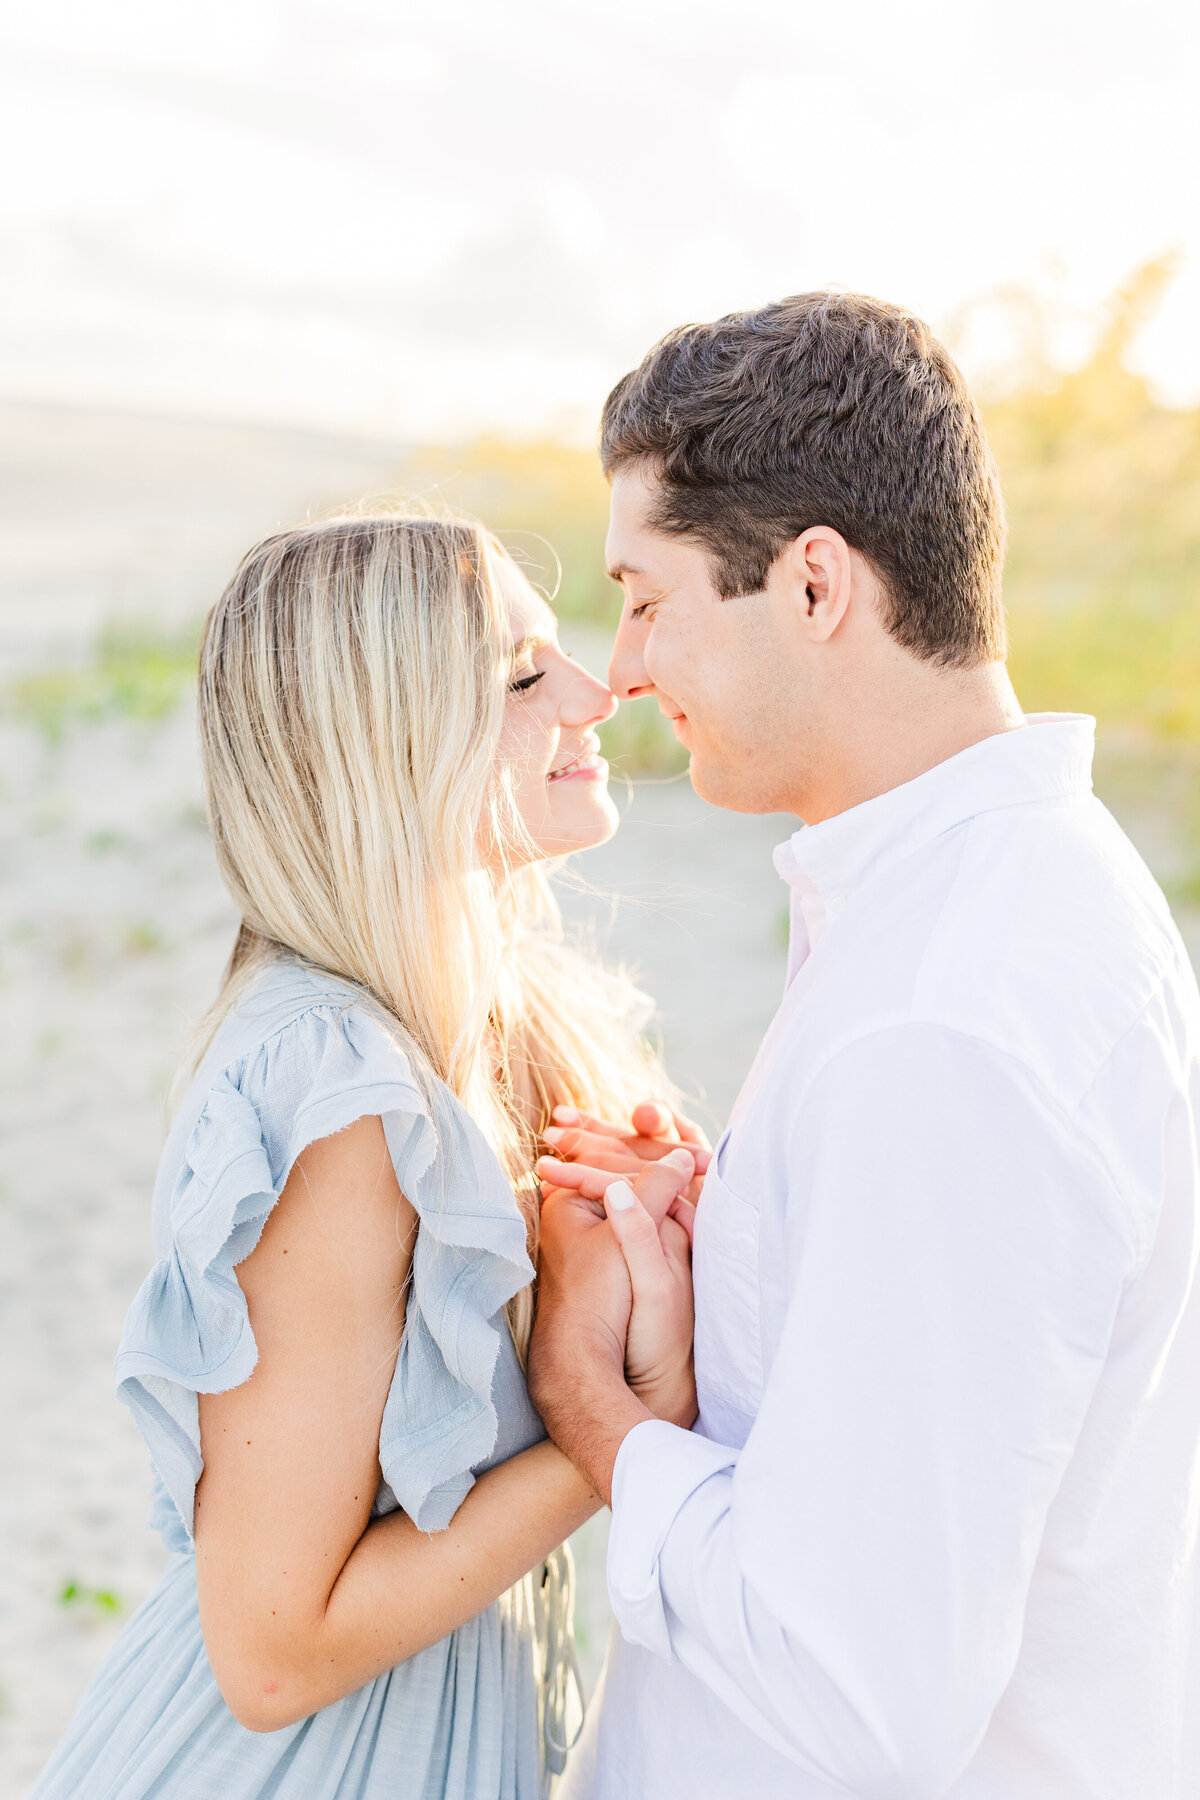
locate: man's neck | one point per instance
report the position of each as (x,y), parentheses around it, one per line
(930,721)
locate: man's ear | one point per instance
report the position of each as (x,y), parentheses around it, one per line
(817,568)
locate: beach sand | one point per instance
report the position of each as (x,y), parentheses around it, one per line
(113,932)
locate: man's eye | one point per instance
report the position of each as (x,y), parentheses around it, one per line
(638,612)
(526,682)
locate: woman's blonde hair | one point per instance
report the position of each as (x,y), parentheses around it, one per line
(353,680)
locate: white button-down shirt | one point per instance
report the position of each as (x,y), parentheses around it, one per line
(936,1529)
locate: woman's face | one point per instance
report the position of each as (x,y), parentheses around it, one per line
(549,742)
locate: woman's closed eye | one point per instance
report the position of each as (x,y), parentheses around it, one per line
(523,683)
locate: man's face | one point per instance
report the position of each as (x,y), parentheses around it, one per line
(727,673)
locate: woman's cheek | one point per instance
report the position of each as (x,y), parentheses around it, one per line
(519,744)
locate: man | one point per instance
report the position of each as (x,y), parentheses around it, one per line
(934,1531)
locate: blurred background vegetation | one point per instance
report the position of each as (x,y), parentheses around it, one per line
(268,256)
(1102,484)
(118,530)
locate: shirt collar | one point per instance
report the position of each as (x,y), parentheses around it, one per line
(1049,756)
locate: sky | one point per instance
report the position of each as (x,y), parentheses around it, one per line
(420,222)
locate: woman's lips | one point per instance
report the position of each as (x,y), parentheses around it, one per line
(587,766)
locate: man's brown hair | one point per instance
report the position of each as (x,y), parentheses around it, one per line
(825,409)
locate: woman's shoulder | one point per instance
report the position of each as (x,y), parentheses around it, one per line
(301,1054)
(292,1010)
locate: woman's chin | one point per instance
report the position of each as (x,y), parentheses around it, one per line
(594,826)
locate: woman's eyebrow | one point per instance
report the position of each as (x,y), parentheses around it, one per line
(529,646)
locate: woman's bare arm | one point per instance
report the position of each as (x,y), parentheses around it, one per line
(303,1597)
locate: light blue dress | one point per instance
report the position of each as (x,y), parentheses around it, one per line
(478,1716)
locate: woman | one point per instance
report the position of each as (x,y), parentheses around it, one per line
(326,1360)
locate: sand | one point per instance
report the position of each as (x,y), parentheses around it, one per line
(113,931)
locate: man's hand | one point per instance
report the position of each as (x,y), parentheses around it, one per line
(653,1226)
(614,1309)
(652,1133)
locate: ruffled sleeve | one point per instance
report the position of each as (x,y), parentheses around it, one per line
(188,1331)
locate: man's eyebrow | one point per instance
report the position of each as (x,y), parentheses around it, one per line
(620,570)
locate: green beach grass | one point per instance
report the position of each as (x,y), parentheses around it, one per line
(1102,486)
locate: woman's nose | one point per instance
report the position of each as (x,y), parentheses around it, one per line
(588,701)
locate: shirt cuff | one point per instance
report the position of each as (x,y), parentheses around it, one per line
(658,1469)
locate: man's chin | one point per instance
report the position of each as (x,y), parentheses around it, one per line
(729,788)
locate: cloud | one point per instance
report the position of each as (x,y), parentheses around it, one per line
(406,222)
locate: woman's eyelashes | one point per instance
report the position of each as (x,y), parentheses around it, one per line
(529,677)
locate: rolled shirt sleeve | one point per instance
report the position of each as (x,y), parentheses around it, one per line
(658,1470)
(852,1583)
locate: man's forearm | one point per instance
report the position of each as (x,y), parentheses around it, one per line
(589,1420)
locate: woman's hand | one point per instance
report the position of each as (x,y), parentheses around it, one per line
(652,1133)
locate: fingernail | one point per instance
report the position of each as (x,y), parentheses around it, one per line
(566,1115)
(550,1162)
(552,1134)
(679,1159)
(619,1196)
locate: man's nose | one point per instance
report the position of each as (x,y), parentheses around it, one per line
(627,675)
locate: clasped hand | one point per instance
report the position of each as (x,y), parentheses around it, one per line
(586,1148)
(612,1343)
